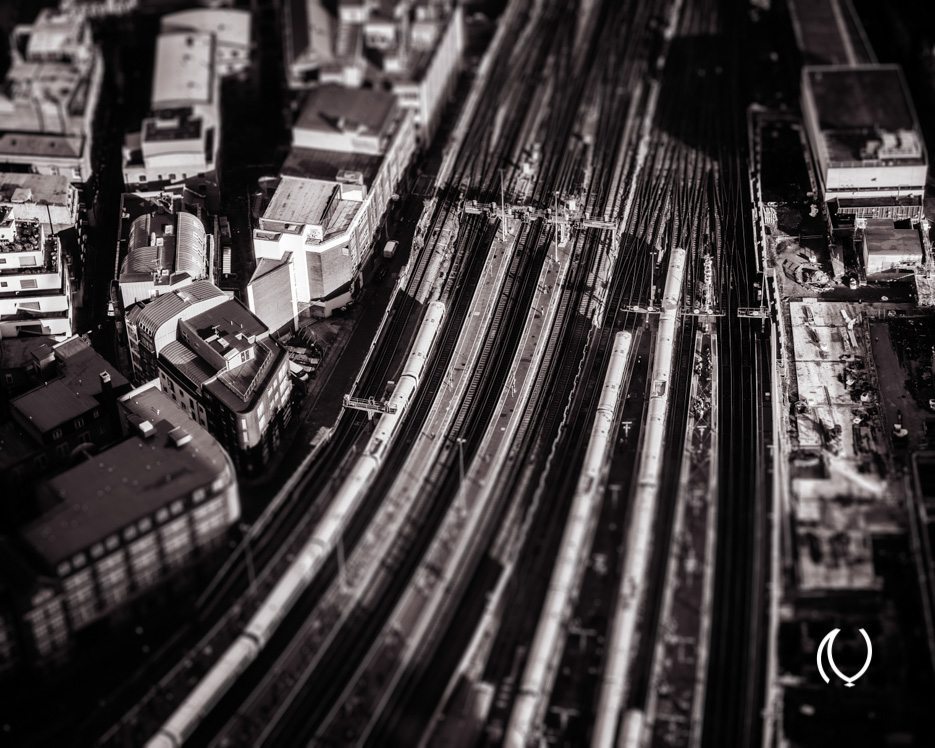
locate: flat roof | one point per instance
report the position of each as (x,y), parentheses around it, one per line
(315,163)
(127,482)
(184,69)
(860,98)
(355,108)
(886,240)
(40,189)
(300,201)
(829,33)
(43,145)
(229,25)
(25,350)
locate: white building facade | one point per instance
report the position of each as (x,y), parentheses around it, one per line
(35,292)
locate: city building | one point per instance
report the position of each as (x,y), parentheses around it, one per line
(72,410)
(35,288)
(317,230)
(887,248)
(865,140)
(177,144)
(232,377)
(231,31)
(163,246)
(98,8)
(118,525)
(25,361)
(217,361)
(49,97)
(50,199)
(150,326)
(411,48)
(829,32)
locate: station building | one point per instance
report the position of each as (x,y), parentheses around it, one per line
(352,148)
(49,96)
(114,527)
(35,286)
(865,140)
(413,49)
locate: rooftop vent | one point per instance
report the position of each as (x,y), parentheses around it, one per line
(179,437)
(146,429)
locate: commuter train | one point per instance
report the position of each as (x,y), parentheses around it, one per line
(307,564)
(566,574)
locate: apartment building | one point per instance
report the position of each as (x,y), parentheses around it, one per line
(35,288)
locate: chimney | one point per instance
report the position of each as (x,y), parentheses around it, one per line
(106,385)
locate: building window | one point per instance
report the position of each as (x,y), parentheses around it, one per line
(145,524)
(63,568)
(209,520)
(112,579)
(176,508)
(176,542)
(57,434)
(79,594)
(3,284)
(112,542)
(79,422)
(199,494)
(144,561)
(28,283)
(129,533)
(97,550)
(79,560)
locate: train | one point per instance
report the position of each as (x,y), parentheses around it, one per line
(639,534)
(566,574)
(310,560)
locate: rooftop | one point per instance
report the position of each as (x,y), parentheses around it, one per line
(41,145)
(166,306)
(25,350)
(40,189)
(314,163)
(828,33)
(229,26)
(184,71)
(126,482)
(883,239)
(226,320)
(855,104)
(300,201)
(332,107)
(75,391)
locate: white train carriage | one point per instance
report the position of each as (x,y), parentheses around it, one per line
(313,555)
(566,574)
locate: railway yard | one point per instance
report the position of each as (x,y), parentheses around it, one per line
(626,444)
(396,576)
